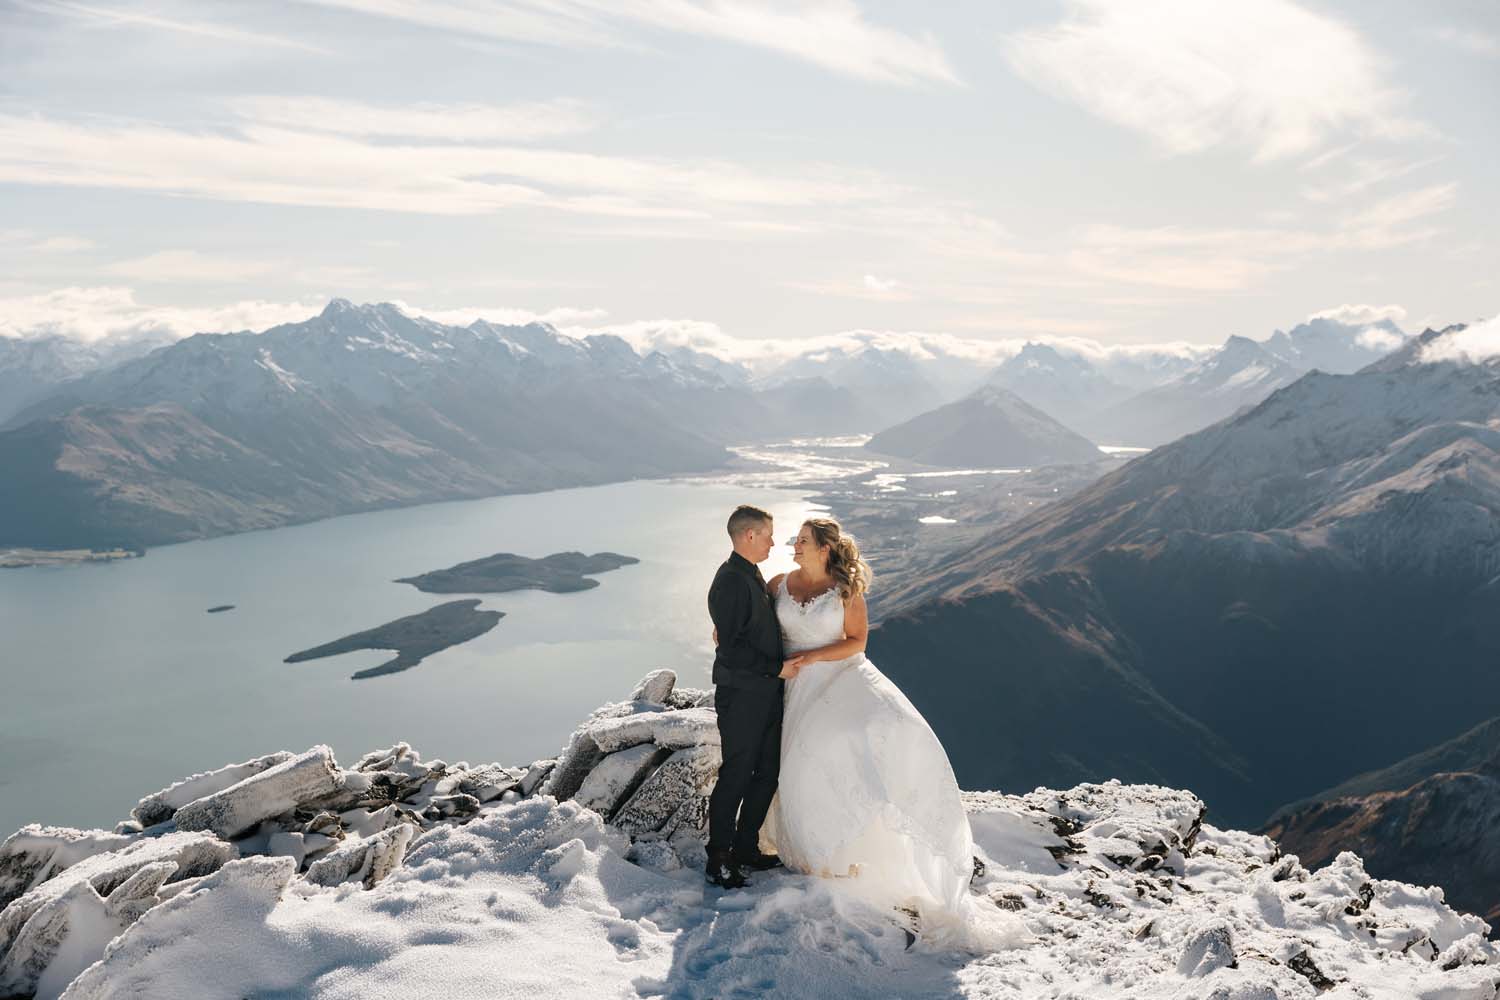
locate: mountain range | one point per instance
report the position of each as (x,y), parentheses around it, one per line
(1238,610)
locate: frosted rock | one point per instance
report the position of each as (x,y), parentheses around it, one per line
(35,853)
(489,782)
(675,730)
(536,775)
(686,697)
(655,687)
(233,811)
(617,777)
(368,860)
(189,854)
(580,757)
(1209,948)
(158,807)
(227,904)
(684,777)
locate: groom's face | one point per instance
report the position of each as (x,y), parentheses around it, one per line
(761,540)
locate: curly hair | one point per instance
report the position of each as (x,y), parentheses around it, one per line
(850,572)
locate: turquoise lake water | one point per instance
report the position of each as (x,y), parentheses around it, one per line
(114,681)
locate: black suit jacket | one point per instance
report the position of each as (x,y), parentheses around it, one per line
(749,654)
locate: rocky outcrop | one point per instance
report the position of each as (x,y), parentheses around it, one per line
(1128,872)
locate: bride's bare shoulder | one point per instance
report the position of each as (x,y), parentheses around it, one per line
(774,582)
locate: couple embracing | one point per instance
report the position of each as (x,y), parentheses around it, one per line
(825,761)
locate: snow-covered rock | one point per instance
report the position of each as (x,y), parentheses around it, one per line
(1112,890)
(366,861)
(235,809)
(158,807)
(655,687)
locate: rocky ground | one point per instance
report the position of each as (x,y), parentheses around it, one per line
(290,875)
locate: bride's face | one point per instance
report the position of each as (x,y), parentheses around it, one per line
(807,553)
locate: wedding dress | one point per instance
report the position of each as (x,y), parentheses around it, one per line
(866,792)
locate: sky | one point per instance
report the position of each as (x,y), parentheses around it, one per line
(1119,172)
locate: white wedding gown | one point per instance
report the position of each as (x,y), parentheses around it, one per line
(866,792)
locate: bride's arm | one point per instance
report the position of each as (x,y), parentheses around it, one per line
(856,631)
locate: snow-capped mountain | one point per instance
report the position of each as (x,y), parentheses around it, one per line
(1431,817)
(580,875)
(1334,347)
(1066,386)
(1240,374)
(32,369)
(894,381)
(1241,609)
(990,428)
(357,408)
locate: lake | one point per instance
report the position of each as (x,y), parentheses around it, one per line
(114,681)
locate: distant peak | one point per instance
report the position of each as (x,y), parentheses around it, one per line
(337,306)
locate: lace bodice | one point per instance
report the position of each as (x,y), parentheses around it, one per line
(812,625)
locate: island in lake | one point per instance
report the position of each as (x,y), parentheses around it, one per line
(559,573)
(219,609)
(413,637)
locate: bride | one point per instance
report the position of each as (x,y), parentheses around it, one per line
(866,792)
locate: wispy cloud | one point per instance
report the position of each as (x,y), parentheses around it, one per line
(1389,222)
(1273,77)
(173,266)
(1469,40)
(127,17)
(1363,173)
(522,122)
(268,163)
(833,34)
(1355,315)
(101,312)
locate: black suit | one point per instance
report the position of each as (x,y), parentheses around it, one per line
(747,697)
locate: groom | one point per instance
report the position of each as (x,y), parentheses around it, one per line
(749,669)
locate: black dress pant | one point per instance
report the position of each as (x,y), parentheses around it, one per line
(750,741)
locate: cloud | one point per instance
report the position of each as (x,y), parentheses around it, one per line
(174,266)
(1373,338)
(1471,344)
(1357,315)
(832,34)
(266,163)
(200,29)
(1469,40)
(1362,174)
(1274,78)
(559,316)
(104,312)
(522,122)
(1387,223)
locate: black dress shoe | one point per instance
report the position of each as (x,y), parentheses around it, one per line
(758,862)
(724,873)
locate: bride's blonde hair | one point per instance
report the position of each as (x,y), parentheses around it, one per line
(850,572)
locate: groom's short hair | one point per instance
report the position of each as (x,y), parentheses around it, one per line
(746,517)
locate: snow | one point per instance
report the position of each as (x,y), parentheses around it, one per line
(367,888)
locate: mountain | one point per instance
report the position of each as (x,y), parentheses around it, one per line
(1334,347)
(580,876)
(358,408)
(890,382)
(1240,374)
(1065,385)
(1270,581)
(33,368)
(1431,816)
(990,428)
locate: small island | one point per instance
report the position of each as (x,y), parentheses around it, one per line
(220,609)
(413,637)
(559,573)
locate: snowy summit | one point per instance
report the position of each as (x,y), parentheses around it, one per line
(580,876)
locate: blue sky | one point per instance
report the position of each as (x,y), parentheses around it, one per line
(1124,172)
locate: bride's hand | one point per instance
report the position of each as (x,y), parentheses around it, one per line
(716,635)
(790,667)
